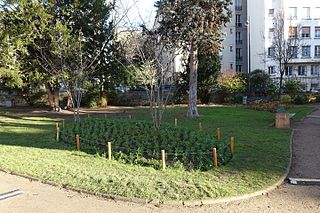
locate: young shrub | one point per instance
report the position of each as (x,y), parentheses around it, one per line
(292,88)
(286,99)
(300,99)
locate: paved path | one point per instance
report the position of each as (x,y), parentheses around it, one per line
(306,147)
(39,197)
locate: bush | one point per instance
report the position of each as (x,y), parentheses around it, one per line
(292,88)
(286,99)
(130,98)
(91,96)
(300,99)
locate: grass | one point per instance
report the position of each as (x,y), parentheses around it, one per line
(300,112)
(27,146)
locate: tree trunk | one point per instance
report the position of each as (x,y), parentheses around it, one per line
(53,96)
(281,80)
(193,82)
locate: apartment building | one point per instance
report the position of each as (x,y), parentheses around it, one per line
(248,43)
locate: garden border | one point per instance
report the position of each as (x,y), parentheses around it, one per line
(190,203)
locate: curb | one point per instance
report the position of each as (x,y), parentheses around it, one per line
(190,203)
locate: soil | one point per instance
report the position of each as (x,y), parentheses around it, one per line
(38,197)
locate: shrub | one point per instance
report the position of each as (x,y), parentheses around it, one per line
(292,88)
(300,99)
(286,99)
(231,87)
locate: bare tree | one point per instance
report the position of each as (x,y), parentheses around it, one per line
(153,68)
(284,48)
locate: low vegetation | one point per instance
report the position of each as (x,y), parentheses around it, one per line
(139,142)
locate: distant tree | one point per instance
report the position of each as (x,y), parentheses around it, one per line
(187,23)
(260,82)
(283,49)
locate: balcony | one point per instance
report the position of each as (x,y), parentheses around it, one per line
(238,24)
(238,42)
(239,58)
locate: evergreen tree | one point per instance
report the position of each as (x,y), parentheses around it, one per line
(188,23)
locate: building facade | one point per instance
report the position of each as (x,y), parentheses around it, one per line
(251,45)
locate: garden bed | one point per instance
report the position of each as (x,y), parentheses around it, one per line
(140,143)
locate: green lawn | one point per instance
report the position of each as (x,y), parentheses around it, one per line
(27,146)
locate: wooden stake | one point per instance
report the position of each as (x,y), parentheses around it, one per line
(130,117)
(218,133)
(62,123)
(57,124)
(58,134)
(215,159)
(78,142)
(88,115)
(109,150)
(163,157)
(105,115)
(200,126)
(175,122)
(232,146)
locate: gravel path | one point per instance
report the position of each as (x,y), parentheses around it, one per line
(39,197)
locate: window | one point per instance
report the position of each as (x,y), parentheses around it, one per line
(271,33)
(317,51)
(271,51)
(317,32)
(271,13)
(293,32)
(314,69)
(239,68)
(231,31)
(239,54)
(238,5)
(292,13)
(238,38)
(231,49)
(294,51)
(302,70)
(289,71)
(271,70)
(238,21)
(306,51)
(306,12)
(231,66)
(305,32)
(314,86)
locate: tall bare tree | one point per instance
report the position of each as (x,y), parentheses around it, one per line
(286,44)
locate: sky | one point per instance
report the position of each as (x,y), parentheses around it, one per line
(139,11)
